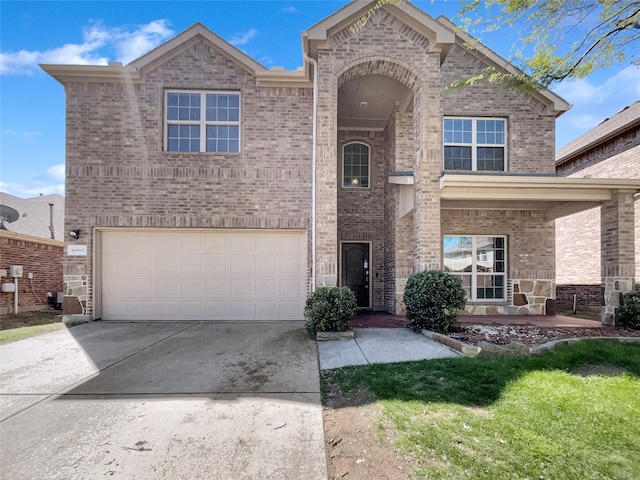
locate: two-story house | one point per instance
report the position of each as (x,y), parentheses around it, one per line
(205,186)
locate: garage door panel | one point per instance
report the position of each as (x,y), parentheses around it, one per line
(194,243)
(243,310)
(217,287)
(218,265)
(266,266)
(203,274)
(242,265)
(168,244)
(266,287)
(168,264)
(192,265)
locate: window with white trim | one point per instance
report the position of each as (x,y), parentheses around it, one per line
(480,262)
(475,144)
(202,121)
(355,165)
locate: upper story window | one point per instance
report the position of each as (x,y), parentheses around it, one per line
(475,144)
(355,165)
(202,121)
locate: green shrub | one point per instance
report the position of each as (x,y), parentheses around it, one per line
(628,315)
(432,300)
(329,309)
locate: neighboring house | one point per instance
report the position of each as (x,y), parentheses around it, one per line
(609,150)
(208,187)
(31,236)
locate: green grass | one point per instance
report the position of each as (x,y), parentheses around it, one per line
(512,418)
(21,333)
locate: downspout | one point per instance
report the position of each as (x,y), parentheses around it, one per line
(51,221)
(313,169)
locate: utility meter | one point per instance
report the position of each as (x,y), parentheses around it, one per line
(15,271)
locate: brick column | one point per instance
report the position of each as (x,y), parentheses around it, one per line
(428,165)
(617,255)
(326,177)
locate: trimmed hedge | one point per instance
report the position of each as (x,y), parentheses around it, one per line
(329,309)
(432,300)
(628,314)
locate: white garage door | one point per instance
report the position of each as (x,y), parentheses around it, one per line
(203,275)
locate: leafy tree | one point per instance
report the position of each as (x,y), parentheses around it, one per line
(607,32)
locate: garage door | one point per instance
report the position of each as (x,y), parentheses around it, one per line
(203,275)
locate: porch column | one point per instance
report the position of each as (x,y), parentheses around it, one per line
(617,254)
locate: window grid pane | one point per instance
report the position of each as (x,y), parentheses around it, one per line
(355,165)
(474,144)
(186,123)
(183,138)
(480,262)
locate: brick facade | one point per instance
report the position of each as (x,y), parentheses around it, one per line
(42,258)
(617,158)
(118,174)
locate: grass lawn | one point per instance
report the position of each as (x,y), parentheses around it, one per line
(550,417)
(24,325)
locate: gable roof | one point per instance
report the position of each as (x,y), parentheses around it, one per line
(133,72)
(34,215)
(625,119)
(443,34)
(316,35)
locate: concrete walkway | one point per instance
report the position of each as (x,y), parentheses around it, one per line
(163,401)
(380,345)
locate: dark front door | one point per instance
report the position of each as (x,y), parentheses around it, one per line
(355,271)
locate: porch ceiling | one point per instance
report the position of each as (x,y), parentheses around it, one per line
(367,102)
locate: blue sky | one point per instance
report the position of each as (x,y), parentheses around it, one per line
(94,32)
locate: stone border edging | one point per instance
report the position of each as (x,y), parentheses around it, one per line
(474,351)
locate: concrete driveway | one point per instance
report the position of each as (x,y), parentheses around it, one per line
(163,400)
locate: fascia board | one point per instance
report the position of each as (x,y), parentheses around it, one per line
(92,73)
(31,238)
(472,187)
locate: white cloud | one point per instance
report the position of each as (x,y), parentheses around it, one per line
(25,136)
(57,172)
(243,38)
(23,191)
(45,183)
(289,9)
(127,42)
(593,101)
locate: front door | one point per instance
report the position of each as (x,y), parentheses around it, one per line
(355,271)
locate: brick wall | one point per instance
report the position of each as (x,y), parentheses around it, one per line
(588,297)
(530,128)
(530,254)
(361,210)
(43,258)
(578,236)
(118,173)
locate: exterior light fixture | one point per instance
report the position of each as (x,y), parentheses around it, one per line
(75,234)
